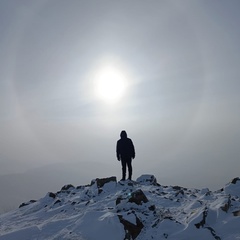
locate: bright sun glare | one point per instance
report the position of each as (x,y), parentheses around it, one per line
(110,84)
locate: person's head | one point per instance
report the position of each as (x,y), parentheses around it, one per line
(123,134)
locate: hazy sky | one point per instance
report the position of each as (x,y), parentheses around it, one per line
(181,106)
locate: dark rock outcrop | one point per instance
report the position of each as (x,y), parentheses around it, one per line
(119,199)
(131,230)
(102,181)
(27,203)
(52,195)
(148,179)
(138,197)
(236,213)
(203,221)
(67,187)
(58,201)
(234,181)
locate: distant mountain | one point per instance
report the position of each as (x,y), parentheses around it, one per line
(142,210)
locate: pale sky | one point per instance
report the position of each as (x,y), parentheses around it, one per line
(180,65)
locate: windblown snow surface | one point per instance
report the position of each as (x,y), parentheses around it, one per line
(141,209)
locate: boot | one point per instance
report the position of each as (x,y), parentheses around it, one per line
(123,177)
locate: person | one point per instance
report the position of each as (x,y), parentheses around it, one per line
(125,153)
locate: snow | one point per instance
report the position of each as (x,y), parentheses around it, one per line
(106,210)
(233,188)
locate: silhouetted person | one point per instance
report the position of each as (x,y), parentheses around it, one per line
(125,153)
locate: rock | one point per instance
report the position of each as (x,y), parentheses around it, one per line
(152,208)
(100,190)
(131,230)
(176,188)
(212,231)
(203,221)
(102,181)
(233,187)
(236,213)
(27,203)
(23,205)
(234,181)
(52,195)
(119,199)
(227,205)
(66,187)
(179,192)
(147,179)
(138,197)
(58,201)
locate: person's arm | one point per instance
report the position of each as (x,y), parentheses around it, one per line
(133,150)
(118,151)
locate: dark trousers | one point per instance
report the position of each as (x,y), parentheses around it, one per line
(126,162)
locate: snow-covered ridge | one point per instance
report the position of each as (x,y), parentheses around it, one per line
(141,209)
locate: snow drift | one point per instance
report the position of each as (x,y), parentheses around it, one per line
(142,209)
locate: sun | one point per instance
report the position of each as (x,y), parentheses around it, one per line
(110,84)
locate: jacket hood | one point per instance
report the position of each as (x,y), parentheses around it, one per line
(123,134)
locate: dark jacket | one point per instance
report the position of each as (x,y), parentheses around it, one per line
(125,148)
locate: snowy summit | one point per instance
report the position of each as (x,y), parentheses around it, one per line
(141,209)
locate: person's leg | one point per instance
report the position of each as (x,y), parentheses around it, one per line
(123,169)
(129,164)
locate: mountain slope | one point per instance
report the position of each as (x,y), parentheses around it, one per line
(143,210)
(34,183)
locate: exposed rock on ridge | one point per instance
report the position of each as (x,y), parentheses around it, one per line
(141,209)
